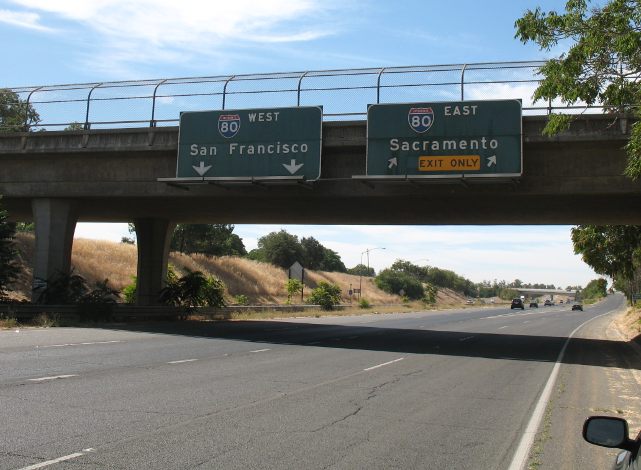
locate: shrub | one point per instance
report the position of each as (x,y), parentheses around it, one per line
(46,320)
(8,322)
(130,290)
(326,295)
(393,282)
(364,303)
(194,289)
(241,299)
(294,287)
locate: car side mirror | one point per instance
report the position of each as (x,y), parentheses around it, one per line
(608,431)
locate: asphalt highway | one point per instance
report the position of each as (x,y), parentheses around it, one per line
(452,389)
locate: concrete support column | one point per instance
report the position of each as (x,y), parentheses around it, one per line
(153,237)
(55,223)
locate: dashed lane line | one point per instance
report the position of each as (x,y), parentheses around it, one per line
(79,344)
(53,377)
(182,361)
(64,458)
(384,364)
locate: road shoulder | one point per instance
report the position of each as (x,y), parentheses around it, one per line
(600,374)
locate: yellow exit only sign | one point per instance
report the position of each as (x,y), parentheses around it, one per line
(449,163)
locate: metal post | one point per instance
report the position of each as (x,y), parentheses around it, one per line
(86,126)
(300,80)
(225,88)
(152,123)
(463,82)
(360,278)
(26,109)
(378,85)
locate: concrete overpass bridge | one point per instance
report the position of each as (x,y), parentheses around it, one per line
(58,178)
(535,293)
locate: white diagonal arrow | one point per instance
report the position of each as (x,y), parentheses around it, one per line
(392,162)
(293,167)
(202,169)
(491,160)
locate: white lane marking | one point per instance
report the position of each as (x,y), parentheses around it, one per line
(260,350)
(182,361)
(466,338)
(79,344)
(54,377)
(384,364)
(501,327)
(523,451)
(58,460)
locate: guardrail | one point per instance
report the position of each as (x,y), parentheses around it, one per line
(344,94)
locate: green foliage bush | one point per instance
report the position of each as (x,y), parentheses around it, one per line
(130,290)
(326,295)
(364,303)
(596,289)
(194,289)
(294,287)
(241,299)
(393,282)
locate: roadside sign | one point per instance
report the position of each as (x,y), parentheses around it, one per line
(296,271)
(244,143)
(445,139)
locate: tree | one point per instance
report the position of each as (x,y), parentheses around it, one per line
(279,248)
(602,65)
(8,266)
(332,262)
(596,289)
(613,250)
(209,239)
(362,270)
(393,282)
(314,253)
(15,114)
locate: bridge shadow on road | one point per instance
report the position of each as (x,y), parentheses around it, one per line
(592,352)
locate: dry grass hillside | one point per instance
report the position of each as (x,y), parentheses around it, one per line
(262,283)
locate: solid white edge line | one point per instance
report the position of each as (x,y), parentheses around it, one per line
(260,350)
(182,361)
(53,377)
(384,364)
(51,462)
(523,450)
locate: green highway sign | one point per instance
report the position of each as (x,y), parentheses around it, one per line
(445,139)
(250,143)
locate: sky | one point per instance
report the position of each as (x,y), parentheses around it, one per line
(76,41)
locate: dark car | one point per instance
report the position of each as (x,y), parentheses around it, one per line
(612,432)
(577,307)
(548,303)
(534,305)
(517,303)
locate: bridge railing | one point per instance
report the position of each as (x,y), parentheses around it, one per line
(344,94)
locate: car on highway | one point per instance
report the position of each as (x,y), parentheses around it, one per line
(469,301)
(534,305)
(577,306)
(612,432)
(548,303)
(517,303)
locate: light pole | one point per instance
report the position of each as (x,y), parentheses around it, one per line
(360,279)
